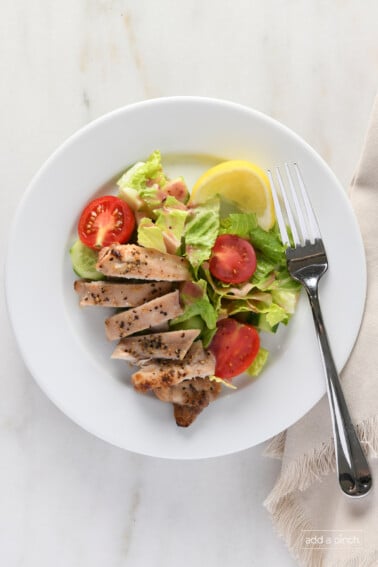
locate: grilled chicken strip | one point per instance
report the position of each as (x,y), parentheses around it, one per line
(194,392)
(197,363)
(145,316)
(132,261)
(114,294)
(185,415)
(189,398)
(140,349)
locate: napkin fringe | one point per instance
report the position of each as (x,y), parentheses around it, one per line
(276,446)
(291,523)
(368,435)
(298,475)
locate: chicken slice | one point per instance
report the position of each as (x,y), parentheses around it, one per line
(198,363)
(132,261)
(145,316)
(194,392)
(189,398)
(140,349)
(185,415)
(114,294)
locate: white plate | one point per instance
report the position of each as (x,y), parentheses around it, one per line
(64,346)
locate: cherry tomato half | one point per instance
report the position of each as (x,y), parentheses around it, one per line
(104,221)
(235,346)
(233,259)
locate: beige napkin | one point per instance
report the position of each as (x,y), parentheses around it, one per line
(320,525)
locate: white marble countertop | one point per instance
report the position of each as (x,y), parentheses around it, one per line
(67,498)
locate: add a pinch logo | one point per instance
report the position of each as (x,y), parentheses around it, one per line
(335,539)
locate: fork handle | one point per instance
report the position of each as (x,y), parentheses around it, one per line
(352,467)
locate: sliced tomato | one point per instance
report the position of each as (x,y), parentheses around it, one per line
(233,259)
(104,221)
(235,346)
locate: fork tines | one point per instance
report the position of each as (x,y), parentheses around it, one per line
(296,210)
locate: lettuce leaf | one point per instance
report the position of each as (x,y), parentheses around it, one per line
(139,186)
(166,232)
(198,310)
(286,299)
(259,362)
(269,244)
(170,219)
(201,231)
(239,224)
(150,235)
(195,300)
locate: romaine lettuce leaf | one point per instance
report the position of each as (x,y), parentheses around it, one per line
(196,304)
(269,244)
(150,235)
(264,268)
(239,224)
(201,231)
(259,362)
(166,232)
(139,186)
(195,300)
(170,219)
(266,308)
(287,299)
(275,314)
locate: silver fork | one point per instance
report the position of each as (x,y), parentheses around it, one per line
(307,262)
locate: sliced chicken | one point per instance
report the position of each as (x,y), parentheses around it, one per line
(198,363)
(189,398)
(114,294)
(145,316)
(185,415)
(194,392)
(132,261)
(140,349)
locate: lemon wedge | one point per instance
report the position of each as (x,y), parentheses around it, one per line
(242,183)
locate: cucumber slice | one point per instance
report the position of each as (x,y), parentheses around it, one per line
(84,261)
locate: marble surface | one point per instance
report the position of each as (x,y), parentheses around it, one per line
(67,498)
